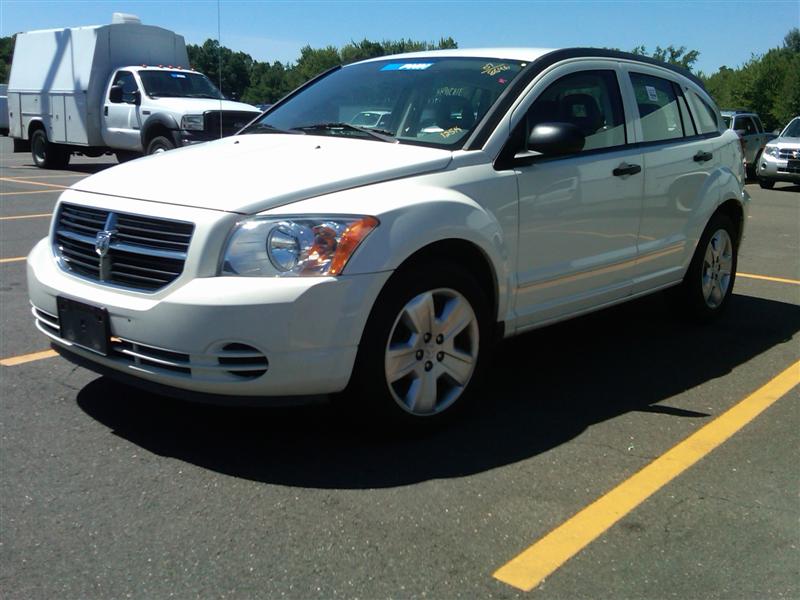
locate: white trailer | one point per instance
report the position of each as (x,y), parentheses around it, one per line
(83,90)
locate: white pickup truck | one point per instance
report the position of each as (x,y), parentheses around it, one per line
(125,88)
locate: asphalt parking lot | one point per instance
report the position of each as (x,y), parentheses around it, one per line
(108,492)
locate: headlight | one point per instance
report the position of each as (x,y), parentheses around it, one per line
(772,151)
(272,247)
(192,122)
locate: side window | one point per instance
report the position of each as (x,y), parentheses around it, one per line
(745,124)
(591,101)
(759,126)
(704,116)
(658,108)
(128,83)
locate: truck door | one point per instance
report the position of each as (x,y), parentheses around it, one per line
(121,126)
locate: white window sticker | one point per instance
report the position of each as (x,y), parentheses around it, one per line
(651,93)
(178,75)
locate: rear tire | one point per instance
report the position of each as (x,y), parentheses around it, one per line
(708,284)
(423,350)
(160,144)
(47,155)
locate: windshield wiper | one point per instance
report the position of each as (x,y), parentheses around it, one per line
(378,134)
(267,128)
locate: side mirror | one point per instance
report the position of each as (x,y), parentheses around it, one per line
(115,94)
(137,97)
(556,139)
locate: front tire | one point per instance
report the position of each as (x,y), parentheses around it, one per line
(767,184)
(708,284)
(47,155)
(423,349)
(160,144)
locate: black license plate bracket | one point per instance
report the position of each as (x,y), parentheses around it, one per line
(84,325)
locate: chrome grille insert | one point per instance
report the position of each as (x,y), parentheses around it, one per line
(143,253)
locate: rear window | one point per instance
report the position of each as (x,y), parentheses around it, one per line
(705,118)
(658,108)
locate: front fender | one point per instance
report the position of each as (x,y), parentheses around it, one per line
(158,120)
(413,217)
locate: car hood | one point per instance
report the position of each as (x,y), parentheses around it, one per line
(199,105)
(786,141)
(252,173)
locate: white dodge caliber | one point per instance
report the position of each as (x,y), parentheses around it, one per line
(501,190)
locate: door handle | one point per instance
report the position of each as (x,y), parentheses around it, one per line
(702,156)
(626,169)
(105,111)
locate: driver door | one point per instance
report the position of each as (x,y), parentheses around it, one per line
(121,120)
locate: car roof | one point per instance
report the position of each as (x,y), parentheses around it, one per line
(519,54)
(542,56)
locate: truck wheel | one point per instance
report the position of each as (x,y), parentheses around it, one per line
(423,348)
(708,283)
(160,144)
(767,184)
(47,155)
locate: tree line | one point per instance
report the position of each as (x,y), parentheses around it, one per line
(768,84)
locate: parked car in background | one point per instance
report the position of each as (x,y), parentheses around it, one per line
(372,119)
(511,189)
(124,88)
(781,158)
(748,127)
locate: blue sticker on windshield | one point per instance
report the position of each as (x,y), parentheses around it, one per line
(178,75)
(406,66)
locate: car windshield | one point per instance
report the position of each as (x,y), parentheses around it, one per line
(428,101)
(792,129)
(178,84)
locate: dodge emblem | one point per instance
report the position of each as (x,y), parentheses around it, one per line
(102,241)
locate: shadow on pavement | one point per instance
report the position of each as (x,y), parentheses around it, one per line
(544,388)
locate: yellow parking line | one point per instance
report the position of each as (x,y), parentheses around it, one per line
(53,185)
(544,557)
(13,361)
(765,278)
(48,176)
(10,260)
(30,192)
(15,217)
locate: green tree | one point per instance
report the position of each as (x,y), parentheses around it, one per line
(6,53)
(235,66)
(672,55)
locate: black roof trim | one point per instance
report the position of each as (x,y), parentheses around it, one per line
(492,118)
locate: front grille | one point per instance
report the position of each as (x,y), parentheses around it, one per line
(228,121)
(143,253)
(789,153)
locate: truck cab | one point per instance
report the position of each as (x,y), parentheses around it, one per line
(152,109)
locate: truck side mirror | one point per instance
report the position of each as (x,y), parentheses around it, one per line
(115,94)
(137,97)
(556,139)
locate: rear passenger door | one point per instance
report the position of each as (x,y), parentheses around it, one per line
(678,161)
(579,213)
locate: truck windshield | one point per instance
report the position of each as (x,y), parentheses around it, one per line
(792,129)
(178,84)
(425,101)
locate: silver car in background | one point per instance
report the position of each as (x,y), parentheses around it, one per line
(780,160)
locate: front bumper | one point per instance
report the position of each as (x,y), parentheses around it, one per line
(776,169)
(214,335)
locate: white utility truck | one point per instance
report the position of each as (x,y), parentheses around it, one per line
(124,88)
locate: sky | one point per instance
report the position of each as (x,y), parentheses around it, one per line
(725,32)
